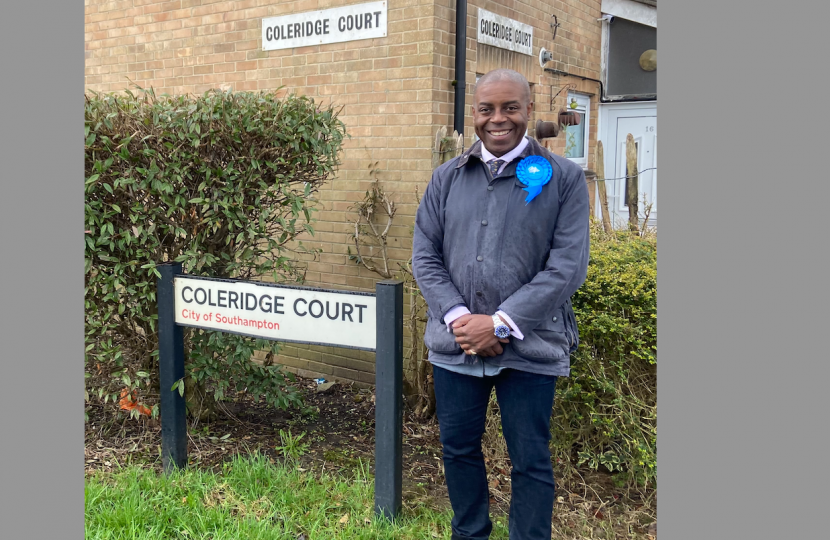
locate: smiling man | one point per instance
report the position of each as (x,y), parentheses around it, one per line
(500,245)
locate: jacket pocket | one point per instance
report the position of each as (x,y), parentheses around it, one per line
(438,340)
(548,341)
(571,327)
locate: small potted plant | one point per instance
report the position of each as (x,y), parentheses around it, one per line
(570,117)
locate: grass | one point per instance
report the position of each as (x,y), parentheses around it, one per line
(250,498)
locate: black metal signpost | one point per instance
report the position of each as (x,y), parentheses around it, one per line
(388,382)
(388,397)
(171,369)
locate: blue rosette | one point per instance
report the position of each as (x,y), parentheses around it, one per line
(534,172)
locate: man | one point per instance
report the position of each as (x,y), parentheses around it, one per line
(500,245)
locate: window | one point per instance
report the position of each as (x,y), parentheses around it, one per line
(576,137)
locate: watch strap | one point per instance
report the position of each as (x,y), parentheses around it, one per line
(498,323)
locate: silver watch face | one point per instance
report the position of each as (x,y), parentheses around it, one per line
(502,331)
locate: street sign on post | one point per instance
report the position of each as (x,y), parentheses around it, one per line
(355,320)
(277,312)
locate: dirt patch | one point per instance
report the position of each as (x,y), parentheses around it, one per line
(338,427)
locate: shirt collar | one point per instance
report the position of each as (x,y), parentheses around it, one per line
(486,156)
(531,148)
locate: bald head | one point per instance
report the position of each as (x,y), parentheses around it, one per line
(504,75)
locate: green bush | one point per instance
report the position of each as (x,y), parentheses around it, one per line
(223,183)
(606,412)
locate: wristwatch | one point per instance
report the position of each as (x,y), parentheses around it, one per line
(501,329)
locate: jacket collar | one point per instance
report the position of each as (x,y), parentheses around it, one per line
(533,148)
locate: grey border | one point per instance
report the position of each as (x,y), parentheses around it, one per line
(42,324)
(742,291)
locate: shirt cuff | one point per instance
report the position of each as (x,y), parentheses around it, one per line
(514,330)
(454,313)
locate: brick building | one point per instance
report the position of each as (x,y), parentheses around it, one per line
(396,88)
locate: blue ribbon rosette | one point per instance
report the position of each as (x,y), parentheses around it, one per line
(534,172)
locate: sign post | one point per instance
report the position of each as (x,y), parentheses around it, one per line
(388,398)
(171,369)
(365,321)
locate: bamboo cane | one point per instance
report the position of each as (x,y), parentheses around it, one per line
(437,154)
(603,197)
(631,181)
(591,180)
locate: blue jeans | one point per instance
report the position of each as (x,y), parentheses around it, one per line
(526,402)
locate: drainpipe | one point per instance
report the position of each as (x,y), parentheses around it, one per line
(460,63)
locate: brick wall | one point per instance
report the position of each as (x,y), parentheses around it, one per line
(395,93)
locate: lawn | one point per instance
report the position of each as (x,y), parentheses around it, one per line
(250,498)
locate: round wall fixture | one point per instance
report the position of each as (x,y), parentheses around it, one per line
(648,60)
(546,130)
(544,57)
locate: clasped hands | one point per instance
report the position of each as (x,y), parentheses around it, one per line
(474,333)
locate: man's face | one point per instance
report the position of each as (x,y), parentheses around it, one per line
(500,113)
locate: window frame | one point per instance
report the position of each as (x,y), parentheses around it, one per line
(584,109)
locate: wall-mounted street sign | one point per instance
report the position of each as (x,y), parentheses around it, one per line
(277,312)
(504,33)
(335,25)
(284,313)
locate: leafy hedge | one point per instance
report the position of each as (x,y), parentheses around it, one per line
(221,182)
(606,412)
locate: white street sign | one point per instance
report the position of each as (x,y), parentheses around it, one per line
(335,25)
(504,33)
(277,312)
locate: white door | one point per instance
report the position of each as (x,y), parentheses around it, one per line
(617,121)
